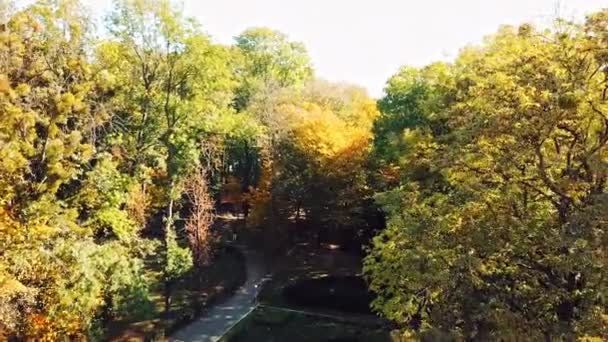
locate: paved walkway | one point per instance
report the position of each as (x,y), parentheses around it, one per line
(220,318)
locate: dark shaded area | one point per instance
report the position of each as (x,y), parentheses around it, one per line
(348,293)
(271,324)
(193,295)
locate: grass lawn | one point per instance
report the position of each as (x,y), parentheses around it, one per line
(219,279)
(313,323)
(267,324)
(305,262)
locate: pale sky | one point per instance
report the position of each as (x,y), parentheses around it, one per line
(366,41)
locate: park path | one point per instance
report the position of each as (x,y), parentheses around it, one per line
(221,317)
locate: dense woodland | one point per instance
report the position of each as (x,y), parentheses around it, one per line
(476,189)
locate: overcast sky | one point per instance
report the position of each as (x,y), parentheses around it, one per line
(365,41)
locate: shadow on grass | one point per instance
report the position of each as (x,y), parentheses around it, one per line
(344,293)
(192,295)
(269,324)
(306,262)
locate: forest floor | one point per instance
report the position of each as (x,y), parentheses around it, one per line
(271,324)
(222,317)
(192,297)
(305,261)
(221,304)
(276,319)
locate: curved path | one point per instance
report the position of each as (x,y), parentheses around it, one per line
(221,317)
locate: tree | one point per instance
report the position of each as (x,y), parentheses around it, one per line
(54,268)
(415,107)
(321,138)
(174,85)
(269,60)
(512,244)
(198,224)
(178,261)
(331,183)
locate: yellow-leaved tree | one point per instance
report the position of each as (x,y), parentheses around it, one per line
(497,230)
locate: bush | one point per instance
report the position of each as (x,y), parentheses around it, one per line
(348,294)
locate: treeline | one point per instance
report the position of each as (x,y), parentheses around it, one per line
(491,171)
(114,151)
(494,169)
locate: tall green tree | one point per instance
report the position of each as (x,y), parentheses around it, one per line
(269,61)
(175,89)
(271,68)
(414,97)
(513,244)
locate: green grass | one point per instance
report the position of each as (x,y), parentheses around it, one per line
(276,325)
(306,263)
(191,296)
(271,322)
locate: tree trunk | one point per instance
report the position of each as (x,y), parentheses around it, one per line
(167,289)
(169,217)
(167,294)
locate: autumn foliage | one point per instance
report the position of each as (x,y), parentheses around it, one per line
(200,219)
(497,228)
(477,188)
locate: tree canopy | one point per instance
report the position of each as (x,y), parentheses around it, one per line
(477,189)
(502,234)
